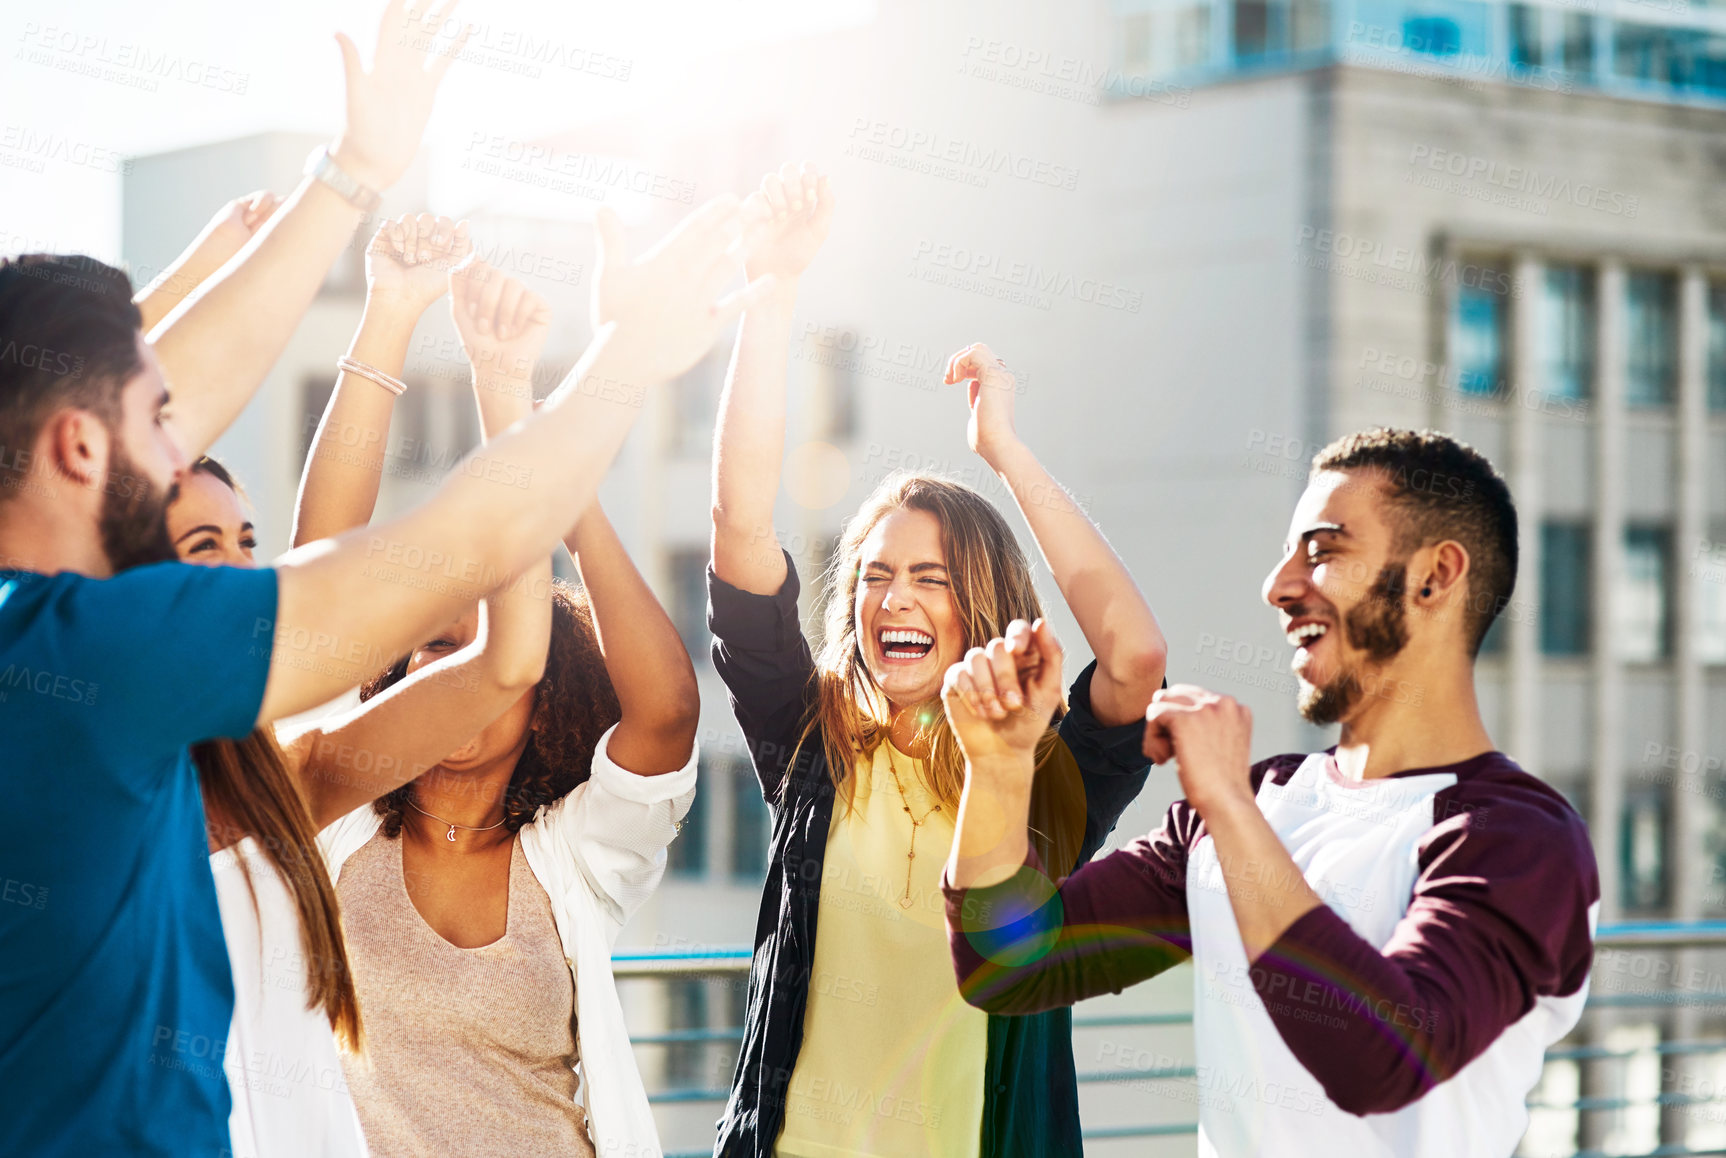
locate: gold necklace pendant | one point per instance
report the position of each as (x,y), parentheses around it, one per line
(905,902)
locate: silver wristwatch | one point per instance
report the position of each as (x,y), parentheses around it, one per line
(323,167)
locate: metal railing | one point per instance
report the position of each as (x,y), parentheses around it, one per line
(1658,937)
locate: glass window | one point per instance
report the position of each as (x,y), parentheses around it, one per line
(1642,851)
(1193,36)
(1525,47)
(1309,25)
(836,403)
(1717,347)
(695,403)
(1257,28)
(688,609)
(687,856)
(1564,588)
(1576,43)
(1691,58)
(749,824)
(1707,565)
(1432,35)
(1646,53)
(1567,332)
(1642,603)
(687,1010)
(1651,338)
(315,391)
(1480,332)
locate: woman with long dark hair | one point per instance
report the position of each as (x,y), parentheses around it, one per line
(296,1009)
(857,1041)
(482,899)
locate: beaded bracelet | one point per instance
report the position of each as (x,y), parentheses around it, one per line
(353,366)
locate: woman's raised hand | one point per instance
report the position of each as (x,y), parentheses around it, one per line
(989,391)
(1001,698)
(785,221)
(503,327)
(235,224)
(409,260)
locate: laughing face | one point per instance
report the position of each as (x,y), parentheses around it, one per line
(907,624)
(1340,591)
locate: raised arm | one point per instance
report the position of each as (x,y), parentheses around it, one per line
(644,655)
(1015,949)
(408,264)
(456,692)
(785,222)
(216,347)
(346,606)
(1111,611)
(227,233)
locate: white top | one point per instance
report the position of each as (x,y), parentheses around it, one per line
(1359,845)
(599,853)
(290,1099)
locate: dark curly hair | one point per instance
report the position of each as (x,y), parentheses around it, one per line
(574,703)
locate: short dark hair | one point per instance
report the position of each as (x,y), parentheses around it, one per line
(68,338)
(1442,489)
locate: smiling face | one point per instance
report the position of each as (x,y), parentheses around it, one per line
(504,737)
(907,623)
(1340,591)
(208,523)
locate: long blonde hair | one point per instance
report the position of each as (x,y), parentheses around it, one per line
(248,791)
(991,585)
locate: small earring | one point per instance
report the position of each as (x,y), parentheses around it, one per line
(1425,592)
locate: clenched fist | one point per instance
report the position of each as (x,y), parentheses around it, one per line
(1210,735)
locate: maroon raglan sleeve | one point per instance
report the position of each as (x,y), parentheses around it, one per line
(1030,944)
(1499,918)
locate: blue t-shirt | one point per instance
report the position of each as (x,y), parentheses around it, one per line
(115,993)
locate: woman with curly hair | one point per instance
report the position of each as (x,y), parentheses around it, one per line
(481,899)
(857,1040)
(295,1005)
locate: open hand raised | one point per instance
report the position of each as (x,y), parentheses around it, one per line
(785,221)
(389,103)
(666,303)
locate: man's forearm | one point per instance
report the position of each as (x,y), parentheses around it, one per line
(501,509)
(216,348)
(1266,888)
(171,287)
(990,843)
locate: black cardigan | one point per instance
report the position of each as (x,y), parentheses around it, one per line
(1031,1102)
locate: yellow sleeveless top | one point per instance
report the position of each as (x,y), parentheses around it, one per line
(893,1059)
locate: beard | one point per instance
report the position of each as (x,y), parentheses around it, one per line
(1378,626)
(134,524)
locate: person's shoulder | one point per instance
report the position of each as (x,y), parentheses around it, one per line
(1495,785)
(1278,769)
(1499,809)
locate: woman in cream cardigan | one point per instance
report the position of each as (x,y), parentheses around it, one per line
(481,899)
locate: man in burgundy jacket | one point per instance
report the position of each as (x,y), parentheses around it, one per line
(1387,935)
